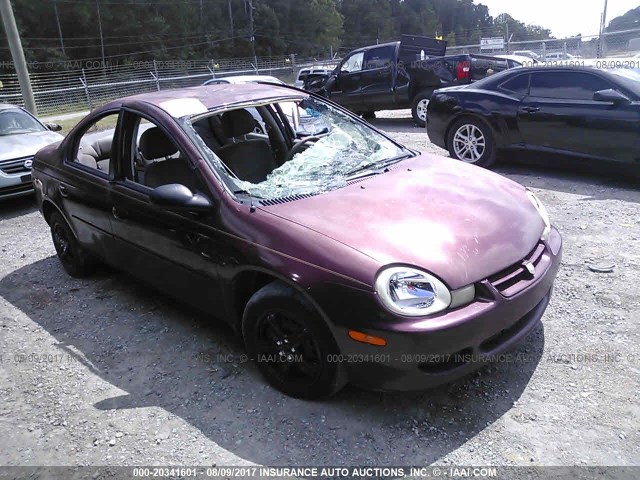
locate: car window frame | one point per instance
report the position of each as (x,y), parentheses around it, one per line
(611,84)
(519,74)
(366,59)
(127,154)
(71,153)
(346,60)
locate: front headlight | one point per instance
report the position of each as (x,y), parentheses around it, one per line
(543,213)
(412,292)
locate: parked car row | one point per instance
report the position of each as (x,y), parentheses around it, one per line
(317,247)
(546,56)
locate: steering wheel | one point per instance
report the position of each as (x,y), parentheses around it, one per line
(298,146)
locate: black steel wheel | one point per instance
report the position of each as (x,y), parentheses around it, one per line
(290,343)
(75,260)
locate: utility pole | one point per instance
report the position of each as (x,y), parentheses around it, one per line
(55,9)
(15,45)
(104,64)
(252,32)
(231,34)
(603,27)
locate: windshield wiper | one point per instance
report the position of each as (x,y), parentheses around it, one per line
(379,166)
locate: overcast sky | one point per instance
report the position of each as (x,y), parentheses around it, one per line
(563,17)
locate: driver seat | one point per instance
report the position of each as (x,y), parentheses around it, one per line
(250,160)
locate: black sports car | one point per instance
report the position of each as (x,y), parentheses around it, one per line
(582,112)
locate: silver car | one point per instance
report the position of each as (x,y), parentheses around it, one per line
(21,136)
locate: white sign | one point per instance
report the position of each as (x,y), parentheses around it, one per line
(493,43)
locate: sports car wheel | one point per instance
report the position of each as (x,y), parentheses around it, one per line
(290,344)
(75,260)
(471,141)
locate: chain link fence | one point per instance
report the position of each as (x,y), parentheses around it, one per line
(611,44)
(87,85)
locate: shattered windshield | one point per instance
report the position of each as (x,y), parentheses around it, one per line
(330,149)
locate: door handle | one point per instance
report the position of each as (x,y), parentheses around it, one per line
(530,109)
(63,190)
(118,214)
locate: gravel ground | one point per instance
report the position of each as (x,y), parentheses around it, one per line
(104,371)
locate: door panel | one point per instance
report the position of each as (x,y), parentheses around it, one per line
(577,124)
(377,77)
(347,90)
(85,193)
(174,252)
(85,200)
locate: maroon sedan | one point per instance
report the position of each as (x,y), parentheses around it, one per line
(338,254)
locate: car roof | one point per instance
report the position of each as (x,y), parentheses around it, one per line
(195,100)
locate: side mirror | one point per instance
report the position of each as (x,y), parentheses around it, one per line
(611,96)
(176,196)
(54,127)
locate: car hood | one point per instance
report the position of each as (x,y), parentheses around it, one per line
(459,222)
(25,144)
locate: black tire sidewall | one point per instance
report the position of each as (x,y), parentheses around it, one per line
(489,155)
(278,296)
(80,265)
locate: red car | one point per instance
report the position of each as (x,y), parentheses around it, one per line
(338,256)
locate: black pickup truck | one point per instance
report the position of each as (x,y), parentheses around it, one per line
(398,75)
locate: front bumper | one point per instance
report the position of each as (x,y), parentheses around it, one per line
(425,352)
(14,185)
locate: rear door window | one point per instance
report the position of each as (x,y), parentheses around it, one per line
(94,148)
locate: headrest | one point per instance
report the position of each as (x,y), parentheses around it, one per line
(155,144)
(237,123)
(103,148)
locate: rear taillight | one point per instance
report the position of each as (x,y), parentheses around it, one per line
(463,70)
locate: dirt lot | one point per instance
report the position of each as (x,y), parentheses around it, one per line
(104,371)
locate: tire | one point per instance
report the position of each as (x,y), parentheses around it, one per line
(419,108)
(368,115)
(471,141)
(75,259)
(277,313)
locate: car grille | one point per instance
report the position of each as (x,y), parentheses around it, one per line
(516,277)
(16,165)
